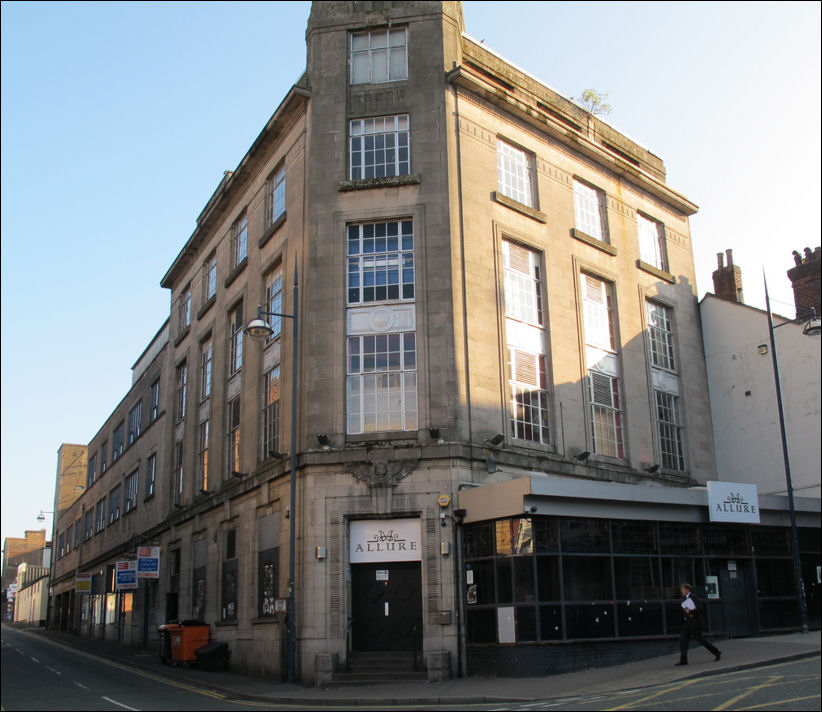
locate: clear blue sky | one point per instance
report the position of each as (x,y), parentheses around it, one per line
(118,120)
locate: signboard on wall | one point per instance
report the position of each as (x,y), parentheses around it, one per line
(148,562)
(82,583)
(125,575)
(733,502)
(374,540)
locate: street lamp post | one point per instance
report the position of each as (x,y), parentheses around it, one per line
(259,329)
(812,328)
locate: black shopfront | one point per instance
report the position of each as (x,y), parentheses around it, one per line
(551,593)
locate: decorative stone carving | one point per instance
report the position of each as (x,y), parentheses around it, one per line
(381,473)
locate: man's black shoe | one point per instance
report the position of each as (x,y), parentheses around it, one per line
(682,663)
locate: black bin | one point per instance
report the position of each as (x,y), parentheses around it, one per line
(165,644)
(212,657)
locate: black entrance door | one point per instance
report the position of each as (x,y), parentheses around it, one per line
(386,606)
(734,589)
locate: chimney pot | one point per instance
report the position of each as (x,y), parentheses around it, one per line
(720,260)
(730,254)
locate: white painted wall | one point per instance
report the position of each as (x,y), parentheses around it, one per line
(743,398)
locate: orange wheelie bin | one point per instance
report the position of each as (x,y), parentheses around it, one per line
(186,638)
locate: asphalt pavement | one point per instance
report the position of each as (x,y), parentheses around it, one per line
(737,654)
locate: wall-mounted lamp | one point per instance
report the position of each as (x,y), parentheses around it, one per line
(42,516)
(582,456)
(324,440)
(652,469)
(459,515)
(496,440)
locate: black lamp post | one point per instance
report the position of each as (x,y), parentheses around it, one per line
(812,327)
(259,329)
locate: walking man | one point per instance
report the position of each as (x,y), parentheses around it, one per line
(692,625)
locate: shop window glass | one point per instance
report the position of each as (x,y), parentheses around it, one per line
(526,621)
(639,618)
(636,578)
(524,579)
(584,535)
(724,541)
(775,577)
(679,539)
(778,614)
(809,539)
(504,581)
(674,573)
(590,621)
(548,578)
(514,536)
(479,540)
(546,535)
(484,580)
(550,623)
(482,625)
(770,540)
(587,578)
(634,537)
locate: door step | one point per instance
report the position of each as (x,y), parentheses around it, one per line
(378,668)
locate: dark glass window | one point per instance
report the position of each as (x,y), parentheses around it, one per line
(482,625)
(548,578)
(504,581)
(724,541)
(809,539)
(636,578)
(771,540)
(775,577)
(524,579)
(640,618)
(514,536)
(550,623)
(634,537)
(590,621)
(526,621)
(484,580)
(675,572)
(546,535)
(679,538)
(779,614)
(479,540)
(584,535)
(587,578)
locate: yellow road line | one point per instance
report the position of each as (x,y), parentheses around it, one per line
(747,692)
(651,697)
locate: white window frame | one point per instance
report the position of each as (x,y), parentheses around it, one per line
(185,308)
(210,277)
(181,390)
(118,441)
(239,240)
(206,367)
(670,431)
(132,485)
(177,481)
(380,252)
(151,475)
(233,433)
(590,214)
(382,383)
(378,56)
(235,351)
(154,411)
(100,516)
(607,429)
(661,335)
(651,237)
(202,455)
(523,284)
(274,196)
(135,422)
(379,147)
(270,419)
(515,173)
(273,290)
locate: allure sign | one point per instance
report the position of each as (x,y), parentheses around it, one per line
(733,502)
(375,540)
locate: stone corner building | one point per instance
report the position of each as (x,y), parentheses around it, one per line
(496,290)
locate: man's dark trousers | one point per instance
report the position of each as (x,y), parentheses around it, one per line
(692,628)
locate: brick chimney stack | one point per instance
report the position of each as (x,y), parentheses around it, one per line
(807,285)
(728,279)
